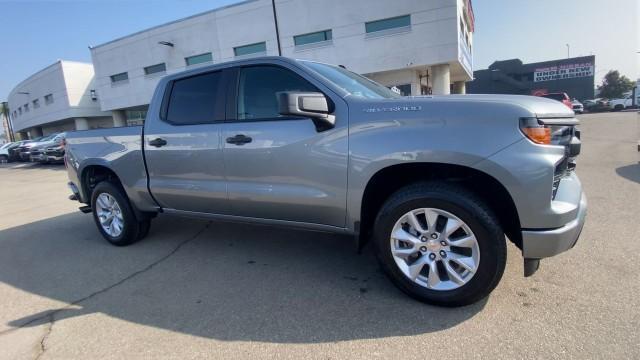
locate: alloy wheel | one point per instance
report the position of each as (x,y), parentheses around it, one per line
(435,249)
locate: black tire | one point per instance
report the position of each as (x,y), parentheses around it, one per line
(133,229)
(4,159)
(467,207)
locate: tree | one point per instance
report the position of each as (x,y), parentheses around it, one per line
(614,85)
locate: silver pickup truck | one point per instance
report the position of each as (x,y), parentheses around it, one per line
(434,183)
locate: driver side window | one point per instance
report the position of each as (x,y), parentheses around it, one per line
(258,90)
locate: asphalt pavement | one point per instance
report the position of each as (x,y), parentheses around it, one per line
(198,289)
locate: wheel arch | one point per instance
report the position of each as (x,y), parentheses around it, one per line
(386,181)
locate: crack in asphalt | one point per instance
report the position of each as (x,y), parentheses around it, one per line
(44,338)
(51,314)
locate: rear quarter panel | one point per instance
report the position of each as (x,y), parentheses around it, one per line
(118,149)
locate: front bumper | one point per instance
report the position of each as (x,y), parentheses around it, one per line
(539,244)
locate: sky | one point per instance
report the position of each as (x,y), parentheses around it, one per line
(36,33)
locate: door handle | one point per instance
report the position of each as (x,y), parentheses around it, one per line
(159,142)
(239,139)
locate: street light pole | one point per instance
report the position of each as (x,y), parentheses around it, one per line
(275,20)
(568,47)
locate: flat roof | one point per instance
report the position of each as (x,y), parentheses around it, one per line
(174,21)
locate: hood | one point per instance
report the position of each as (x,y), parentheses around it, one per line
(533,106)
(539,107)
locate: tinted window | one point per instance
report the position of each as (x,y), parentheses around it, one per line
(194,100)
(386,24)
(259,87)
(119,77)
(155,69)
(313,37)
(198,59)
(250,49)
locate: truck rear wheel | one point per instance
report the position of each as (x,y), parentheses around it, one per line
(440,244)
(114,216)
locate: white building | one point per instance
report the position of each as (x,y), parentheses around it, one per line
(418,46)
(60,97)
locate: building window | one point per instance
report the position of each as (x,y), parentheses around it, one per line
(36,103)
(135,117)
(48,99)
(250,49)
(386,24)
(198,59)
(154,69)
(311,38)
(119,78)
(26,108)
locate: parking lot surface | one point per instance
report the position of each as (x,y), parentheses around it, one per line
(198,289)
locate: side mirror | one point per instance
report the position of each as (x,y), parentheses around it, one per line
(308,104)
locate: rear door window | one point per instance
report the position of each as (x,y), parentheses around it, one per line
(196,100)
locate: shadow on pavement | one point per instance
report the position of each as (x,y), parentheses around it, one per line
(630,172)
(215,280)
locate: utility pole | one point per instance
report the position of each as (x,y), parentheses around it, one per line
(275,20)
(568,47)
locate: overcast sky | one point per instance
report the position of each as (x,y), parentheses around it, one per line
(37,33)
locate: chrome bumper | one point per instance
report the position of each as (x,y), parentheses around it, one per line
(539,244)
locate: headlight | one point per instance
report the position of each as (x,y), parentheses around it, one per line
(540,133)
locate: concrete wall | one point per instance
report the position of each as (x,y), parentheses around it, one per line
(68,82)
(432,38)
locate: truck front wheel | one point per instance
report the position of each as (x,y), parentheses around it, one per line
(114,216)
(440,244)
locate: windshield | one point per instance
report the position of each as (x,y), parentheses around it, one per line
(351,82)
(47,138)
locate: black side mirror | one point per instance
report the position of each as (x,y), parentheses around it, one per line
(308,104)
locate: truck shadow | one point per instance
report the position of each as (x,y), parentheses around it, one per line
(214,280)
(630,172)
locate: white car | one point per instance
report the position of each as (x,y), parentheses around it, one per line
(621,104)
(577,106)
(4,152)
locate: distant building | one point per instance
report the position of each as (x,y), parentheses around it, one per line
(414,46)
(574,76)
(60,97)
(417,46)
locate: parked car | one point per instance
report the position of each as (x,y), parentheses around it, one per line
(596,105)
(625,102)
(562,97)
(24,150)
(14,151)
(38,152)
(4,151)
(577,106)
(285,142)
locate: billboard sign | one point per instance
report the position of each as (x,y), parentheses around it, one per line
(564,71)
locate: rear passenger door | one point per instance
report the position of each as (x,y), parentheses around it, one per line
(281,167)
(182,145)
